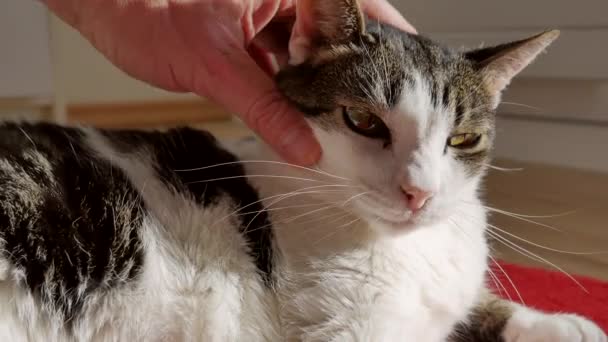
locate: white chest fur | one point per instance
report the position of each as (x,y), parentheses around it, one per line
(417,285)
(341,281)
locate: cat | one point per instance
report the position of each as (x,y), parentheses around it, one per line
(175,236)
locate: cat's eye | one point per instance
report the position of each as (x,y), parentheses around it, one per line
(366,124)
(464,140)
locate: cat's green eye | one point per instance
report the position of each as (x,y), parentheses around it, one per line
(464,140)
(366,124)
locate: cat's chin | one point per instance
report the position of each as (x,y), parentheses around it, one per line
(391,227)
(397,227)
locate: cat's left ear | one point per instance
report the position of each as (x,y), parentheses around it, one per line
(500,64)
(324,23)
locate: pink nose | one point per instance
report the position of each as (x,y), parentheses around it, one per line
(416,198)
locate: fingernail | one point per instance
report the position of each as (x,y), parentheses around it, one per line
(299,146)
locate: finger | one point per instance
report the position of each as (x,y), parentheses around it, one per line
(227,74)
(383,11)
(274,39)
(264,59)
(238,83)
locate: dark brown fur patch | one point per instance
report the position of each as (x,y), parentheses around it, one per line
(486,323)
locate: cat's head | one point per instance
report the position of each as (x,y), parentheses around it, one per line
(409,121)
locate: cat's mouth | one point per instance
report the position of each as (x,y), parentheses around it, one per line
(379,210)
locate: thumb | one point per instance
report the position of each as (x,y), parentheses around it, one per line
(243,87)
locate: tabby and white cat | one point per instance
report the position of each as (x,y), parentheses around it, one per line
(168,236)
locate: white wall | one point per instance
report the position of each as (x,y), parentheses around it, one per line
(576,101)
(484,15)
(562,122)
(25,63)
(84,76)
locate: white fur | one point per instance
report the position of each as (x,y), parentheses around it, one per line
(527,325)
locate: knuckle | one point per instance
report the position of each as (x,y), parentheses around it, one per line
(265,112)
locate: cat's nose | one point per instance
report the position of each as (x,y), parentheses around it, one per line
(416,197)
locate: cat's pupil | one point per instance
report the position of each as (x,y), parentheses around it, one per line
(364,121)
(366,124)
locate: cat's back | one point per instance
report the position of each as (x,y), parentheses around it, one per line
(105,232)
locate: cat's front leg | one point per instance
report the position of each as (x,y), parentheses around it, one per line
(527,325)
(498,320)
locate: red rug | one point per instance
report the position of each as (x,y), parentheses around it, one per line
(555,292)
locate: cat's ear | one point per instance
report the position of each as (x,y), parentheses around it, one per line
(322,23)
(499,64)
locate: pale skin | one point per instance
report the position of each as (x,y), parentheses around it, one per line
(223,50)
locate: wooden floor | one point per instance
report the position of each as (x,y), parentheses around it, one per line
(576,240)
(536,190)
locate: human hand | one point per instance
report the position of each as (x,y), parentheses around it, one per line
(220,49)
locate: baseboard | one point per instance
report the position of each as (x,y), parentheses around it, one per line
(146,114)
(26,108)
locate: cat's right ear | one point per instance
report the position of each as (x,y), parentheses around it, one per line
(498,65)
(324,23)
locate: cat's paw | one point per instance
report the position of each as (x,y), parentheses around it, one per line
(531,326)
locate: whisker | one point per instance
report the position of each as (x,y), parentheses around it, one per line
(334,218)
(287,195)
(532,216)
(336,230)
(282,208)
(291,219)
(545,247)
(344,215)
(498,284)
(505,241)
(275,224)
(256,176)
(278,200)
(355,197)
(27,136)
(509,280)
(498,168)
(521,105)
(521,218)
(263,161)
(534,256)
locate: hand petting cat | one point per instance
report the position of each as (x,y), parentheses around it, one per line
(224,50)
